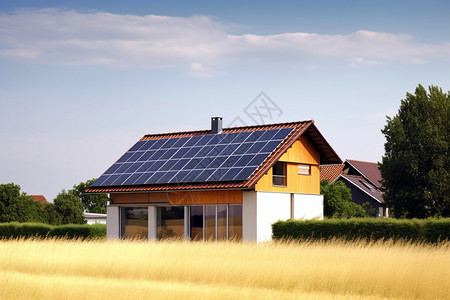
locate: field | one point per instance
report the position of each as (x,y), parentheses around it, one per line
(61,269)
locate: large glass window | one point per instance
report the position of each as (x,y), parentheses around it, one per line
(221,222)
(196,222)
(170,222)
(235,222)
(210,222)
(136,223)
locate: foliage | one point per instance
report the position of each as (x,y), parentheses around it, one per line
(91,203)
(84,231)
(430,230)
(69,207)
(415,167)
(18,207)
(336,197)
(72,231)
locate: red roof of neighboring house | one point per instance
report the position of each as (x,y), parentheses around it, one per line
(367,169)
(331,172)
(39,198)
(327,155)
(365,186)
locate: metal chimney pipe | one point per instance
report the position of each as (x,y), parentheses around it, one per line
(216,125)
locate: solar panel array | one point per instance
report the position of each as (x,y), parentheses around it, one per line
(203,158)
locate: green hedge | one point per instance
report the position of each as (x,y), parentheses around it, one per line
(429,230)
(38,230)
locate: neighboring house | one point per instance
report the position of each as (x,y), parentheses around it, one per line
(39,198)
(93,218)
(363,179)
(230,183)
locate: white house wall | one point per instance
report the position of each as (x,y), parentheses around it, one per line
(306,206)
(112,222)
(249,230)
(152,222)
(271,207)
(261,209)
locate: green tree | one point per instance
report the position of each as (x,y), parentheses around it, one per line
(415,166)
(336,198)
(52,216)
(16,206)
(69,207)
(91,203)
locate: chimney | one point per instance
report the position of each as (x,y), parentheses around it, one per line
(216,125)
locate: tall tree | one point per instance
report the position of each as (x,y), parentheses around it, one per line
(69,207)
(91,203)
(415,167)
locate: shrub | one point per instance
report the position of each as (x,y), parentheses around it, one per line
(85,231)
(430,230)
(39,230)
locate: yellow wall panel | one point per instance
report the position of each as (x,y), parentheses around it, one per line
(302,151)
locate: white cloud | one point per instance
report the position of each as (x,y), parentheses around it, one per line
(198,42)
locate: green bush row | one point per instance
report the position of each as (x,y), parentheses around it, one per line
(39,230)
(428,230)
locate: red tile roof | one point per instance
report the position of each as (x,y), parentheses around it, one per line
(367,169)
(39,198)
(331,172)
(365,185)
(327,155)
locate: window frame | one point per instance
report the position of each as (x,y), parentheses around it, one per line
(304,167)
(279,176)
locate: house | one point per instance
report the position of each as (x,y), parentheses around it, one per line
(229,183)
(363,179)
(39,198)
(94,218)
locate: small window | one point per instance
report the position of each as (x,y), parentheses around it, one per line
(279,174)
(304,169)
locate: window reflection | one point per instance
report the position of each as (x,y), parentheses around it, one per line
(136,223)
(170,222)
(196,220)
(235,222)
(210,220)
(221,222)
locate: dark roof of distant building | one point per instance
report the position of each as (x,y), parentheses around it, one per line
(306,128)
(365,185)
(367,169)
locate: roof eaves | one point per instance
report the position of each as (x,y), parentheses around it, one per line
(326,146)
(272,159)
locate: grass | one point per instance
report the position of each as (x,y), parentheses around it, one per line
(62,269)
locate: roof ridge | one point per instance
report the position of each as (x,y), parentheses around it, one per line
(224,130)
(362,161)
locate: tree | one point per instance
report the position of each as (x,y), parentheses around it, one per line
(416,162)
(16,206)
(336,198)
(91,203)
(69,207)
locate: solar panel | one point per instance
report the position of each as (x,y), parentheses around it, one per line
(202,158)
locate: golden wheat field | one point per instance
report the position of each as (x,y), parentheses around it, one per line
(61,269)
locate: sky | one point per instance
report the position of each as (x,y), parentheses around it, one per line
(82,81)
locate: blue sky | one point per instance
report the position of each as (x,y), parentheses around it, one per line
(81,81)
